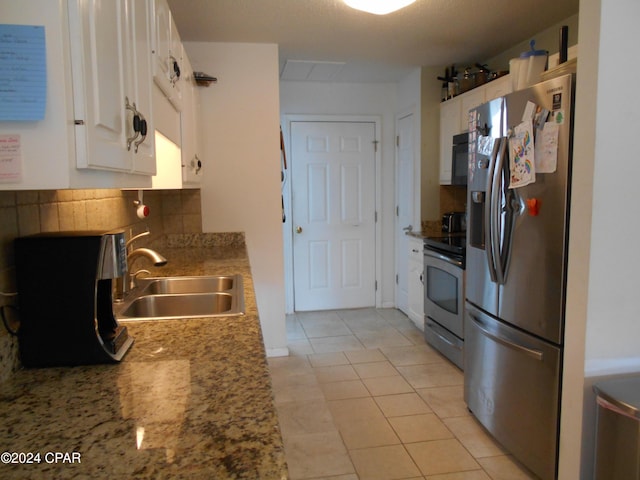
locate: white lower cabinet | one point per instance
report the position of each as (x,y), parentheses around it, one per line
(416,282)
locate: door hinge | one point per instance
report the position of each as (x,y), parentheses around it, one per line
(396,279)
(375,145)
(397,210)
(376,285)
(398,141)
(375,217)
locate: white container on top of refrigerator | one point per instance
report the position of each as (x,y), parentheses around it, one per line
(516,274)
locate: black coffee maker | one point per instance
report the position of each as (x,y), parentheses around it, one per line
(65,298)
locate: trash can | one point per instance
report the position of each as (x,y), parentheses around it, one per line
(618,429)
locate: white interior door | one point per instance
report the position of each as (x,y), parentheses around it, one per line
(404,207)
(333,214)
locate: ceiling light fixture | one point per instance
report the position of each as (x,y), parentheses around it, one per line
(378,7)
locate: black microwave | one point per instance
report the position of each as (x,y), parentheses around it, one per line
(460,159)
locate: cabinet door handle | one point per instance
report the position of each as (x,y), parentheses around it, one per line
(174,76)
(143,132)
(136,121)
(196,163)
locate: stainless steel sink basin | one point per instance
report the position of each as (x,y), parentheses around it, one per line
(154,286)
(161,298)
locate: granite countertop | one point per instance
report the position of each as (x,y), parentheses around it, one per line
(191,399)
(420,235)
(428,229)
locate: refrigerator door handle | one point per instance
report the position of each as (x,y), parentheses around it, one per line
(536,354)
(488,212)
(499,230)
(516,207)
(509,206)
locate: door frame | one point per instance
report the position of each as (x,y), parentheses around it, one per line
(287,226)
(417,186)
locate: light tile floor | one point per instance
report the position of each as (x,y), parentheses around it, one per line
(362,396)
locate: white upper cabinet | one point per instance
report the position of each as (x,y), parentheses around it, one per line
(192,162)
(167,53)
(99,112)
(111,59)
(177,138)
(498,88)
(175,67)
(81,142)
(454,118)
(140,81)
(468,101)
(449,126)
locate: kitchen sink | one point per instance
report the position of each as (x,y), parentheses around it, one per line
(155,285)
(158,298)
(180,305)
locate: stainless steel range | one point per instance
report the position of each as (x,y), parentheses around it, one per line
(444,271)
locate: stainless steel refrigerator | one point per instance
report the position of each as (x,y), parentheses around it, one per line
(517,231)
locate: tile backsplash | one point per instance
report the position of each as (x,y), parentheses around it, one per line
(453,198)
(29,212)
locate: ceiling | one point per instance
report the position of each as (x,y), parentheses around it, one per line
(348,45)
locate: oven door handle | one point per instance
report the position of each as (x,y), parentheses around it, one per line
(440,256)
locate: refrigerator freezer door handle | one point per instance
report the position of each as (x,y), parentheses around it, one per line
(536,354)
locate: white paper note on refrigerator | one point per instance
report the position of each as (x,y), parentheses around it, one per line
(546,148)
(521,156)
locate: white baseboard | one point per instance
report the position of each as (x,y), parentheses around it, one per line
(278,352)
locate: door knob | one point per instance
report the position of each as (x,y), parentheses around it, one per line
(408,228)
(298,229)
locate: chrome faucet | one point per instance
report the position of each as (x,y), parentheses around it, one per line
(136,237)
(157,259)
